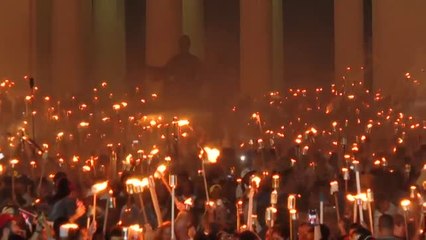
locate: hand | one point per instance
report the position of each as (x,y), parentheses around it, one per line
(92,228)
(81,209)
(341,225)
(5,234)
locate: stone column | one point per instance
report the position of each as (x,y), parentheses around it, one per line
(349,40)
(109,42)
(399,47)
(67,48)
(255,47)
(277,45)
(193,25)
(16,39)
(163,30)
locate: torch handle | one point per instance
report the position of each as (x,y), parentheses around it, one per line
(104,228)
(370,216)
(145,218)
(154,199)
(250,210)
(205,181)
(336,202)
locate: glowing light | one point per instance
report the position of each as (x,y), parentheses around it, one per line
(99,187)
(183,122)
(405,203)
(212,154)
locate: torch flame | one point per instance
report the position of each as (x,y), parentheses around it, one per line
(99,187)
(212,154)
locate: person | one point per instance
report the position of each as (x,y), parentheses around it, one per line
(399,226)
(163,231)
(305,231)
(360,233)
(9,228)
(386,228)
(68,206)
(183,73)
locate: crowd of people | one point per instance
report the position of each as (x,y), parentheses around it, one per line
(309,164)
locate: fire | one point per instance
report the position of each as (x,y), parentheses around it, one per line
(183,122)
(99,187)
(212,154)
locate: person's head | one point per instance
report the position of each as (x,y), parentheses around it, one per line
(399,226)
(215,192)
(116,234)
(383,205)
(360,233)
(184,43)
(58,176)
(248,235)
(63,188)
(275,233)
(305,231)
(386,225)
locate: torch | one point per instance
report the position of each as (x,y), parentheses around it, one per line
(291,206)
(212,155)
(351,198)
(334,190)
(110,203)
(96,189)
(255,181)
(270,214)
(159,173)
(239,214)
(13,162)
(370,200)
(154,198)
(405,204)
(173,183)
(358,189)
(136,186)
(345,173)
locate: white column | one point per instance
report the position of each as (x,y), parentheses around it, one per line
(277,45)
(349,39)
(109,42)
(255,47)
(15,37)
(193,25)
(399,46)
(67,47)
(163,30)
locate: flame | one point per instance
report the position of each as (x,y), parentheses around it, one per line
(154,151)
(99,187)
(69,226)
(212,154)
(405,203)
(350,197)
(14,162)
(183,122)
(84,124)
(256,181)
(188,202)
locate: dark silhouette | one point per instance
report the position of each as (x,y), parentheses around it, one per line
(182,75)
